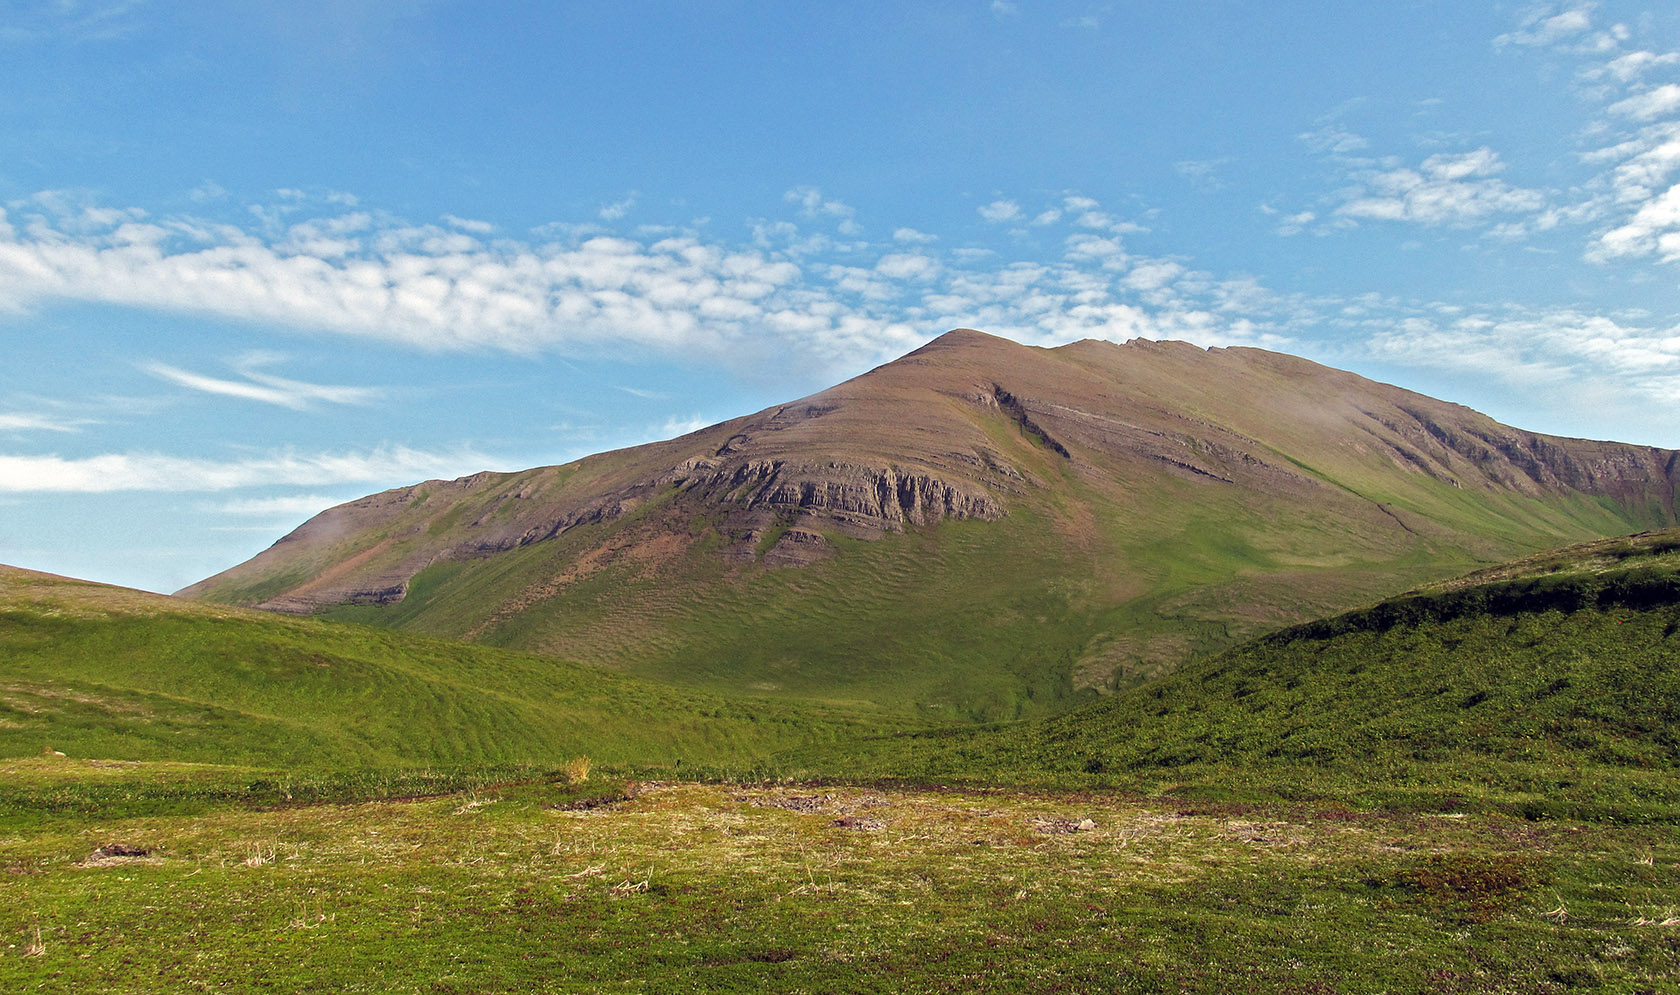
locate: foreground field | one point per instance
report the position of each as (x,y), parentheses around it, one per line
(689,887)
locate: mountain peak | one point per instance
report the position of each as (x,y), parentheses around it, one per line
(1255,489)
(966,338)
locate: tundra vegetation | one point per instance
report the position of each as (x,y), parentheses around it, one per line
(1470,788)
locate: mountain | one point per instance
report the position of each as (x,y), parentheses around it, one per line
(97,671)
(1546,687)
(979,529)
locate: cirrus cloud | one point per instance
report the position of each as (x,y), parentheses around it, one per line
(111,472)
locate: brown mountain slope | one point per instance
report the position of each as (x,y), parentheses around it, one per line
(1146,499)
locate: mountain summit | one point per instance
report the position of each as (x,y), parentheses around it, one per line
(979,526)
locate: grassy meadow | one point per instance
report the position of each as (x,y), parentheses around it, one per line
(1469,789)
(751,888)
(92,671)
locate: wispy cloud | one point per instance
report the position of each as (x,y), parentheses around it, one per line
(472,225)
(1527,347)
(289,506)
(76,21)
(812,204)
(266,388)
(1634,201)
(158,472)
(23,421)
(617,209)
(676,426)
(999,211)
(1203,174)
(1649,104)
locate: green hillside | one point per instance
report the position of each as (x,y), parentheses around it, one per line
(96,671)
(964,620)
(1550,686)
(976,531)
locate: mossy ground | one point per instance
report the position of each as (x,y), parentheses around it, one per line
(716,887)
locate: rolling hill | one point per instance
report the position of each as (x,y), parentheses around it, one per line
(1545,687)
(977,530)
(97,671)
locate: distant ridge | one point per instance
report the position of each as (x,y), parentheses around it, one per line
(979,526)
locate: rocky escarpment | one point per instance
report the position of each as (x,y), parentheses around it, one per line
(1526,462)
(881,497)
(747,497)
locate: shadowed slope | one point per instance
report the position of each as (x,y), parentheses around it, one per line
(1103,512)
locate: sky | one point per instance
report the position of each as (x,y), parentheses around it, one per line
(260,258)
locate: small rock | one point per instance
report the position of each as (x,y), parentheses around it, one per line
(1085,825)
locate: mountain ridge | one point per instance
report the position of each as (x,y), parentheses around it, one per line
(1203,495)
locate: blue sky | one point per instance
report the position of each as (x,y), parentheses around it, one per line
(259,258)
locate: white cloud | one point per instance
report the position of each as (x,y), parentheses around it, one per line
(1646,162)
(1294,224)
(469,224)
(266,388)
(1203,174)
(1333,139)
(812,204)
(1654,228)
(999,211)
(1445,190)
(157,472)
(906,266)
(1633,65)
(420,285)
(675,426)
(1531,348)
(294,506)
(1543,27)
(1003,8)
(1650,104)
(912,236)
(19,421)
(618,209)
(1153,275)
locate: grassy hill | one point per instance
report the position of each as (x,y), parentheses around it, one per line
(1547,686)
(979,530)
(96,671)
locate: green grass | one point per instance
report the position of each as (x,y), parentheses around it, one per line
(1535,693)
(746,889)
(1470,789)
(966,621)
(98,672)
